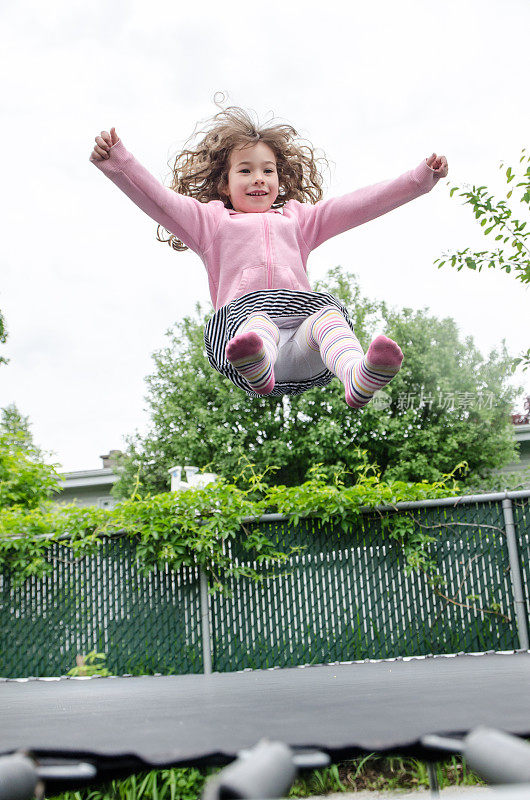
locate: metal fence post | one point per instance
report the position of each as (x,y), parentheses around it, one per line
(205,624)
(513,555)
(204,604)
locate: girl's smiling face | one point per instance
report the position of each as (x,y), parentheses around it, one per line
(252,178)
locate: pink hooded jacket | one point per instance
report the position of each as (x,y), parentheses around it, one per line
(245,252)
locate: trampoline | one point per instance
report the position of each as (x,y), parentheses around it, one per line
(82,731)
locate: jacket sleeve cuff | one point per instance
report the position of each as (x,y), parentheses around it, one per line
(425,176)
(118,157)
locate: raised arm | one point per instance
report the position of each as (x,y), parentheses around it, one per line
(328,218)
(193,222)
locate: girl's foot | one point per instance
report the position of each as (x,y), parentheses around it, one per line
(249,355)
(377,368)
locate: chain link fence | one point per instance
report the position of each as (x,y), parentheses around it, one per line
(102,602)
(343,597)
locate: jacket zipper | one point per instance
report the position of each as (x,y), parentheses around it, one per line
(267,250)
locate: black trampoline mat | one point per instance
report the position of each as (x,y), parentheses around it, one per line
(342,709)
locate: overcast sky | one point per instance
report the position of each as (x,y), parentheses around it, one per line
(88,293)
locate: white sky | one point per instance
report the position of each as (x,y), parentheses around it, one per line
(86,290)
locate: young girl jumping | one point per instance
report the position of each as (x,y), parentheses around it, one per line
(247,200)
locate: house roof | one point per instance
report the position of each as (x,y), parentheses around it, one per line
(88,477)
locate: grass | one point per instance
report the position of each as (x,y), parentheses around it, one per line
(379,773)
(369,772)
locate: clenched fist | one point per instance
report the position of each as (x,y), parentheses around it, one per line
(438,164)
(103,144)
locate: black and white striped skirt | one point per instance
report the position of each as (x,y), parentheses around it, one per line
(287,309)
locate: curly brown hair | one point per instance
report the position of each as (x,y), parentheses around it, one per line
(201,171)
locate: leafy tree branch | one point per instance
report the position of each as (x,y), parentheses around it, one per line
(497,216)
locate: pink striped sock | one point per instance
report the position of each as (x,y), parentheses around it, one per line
(341,352)
(363,379)
(253,351)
